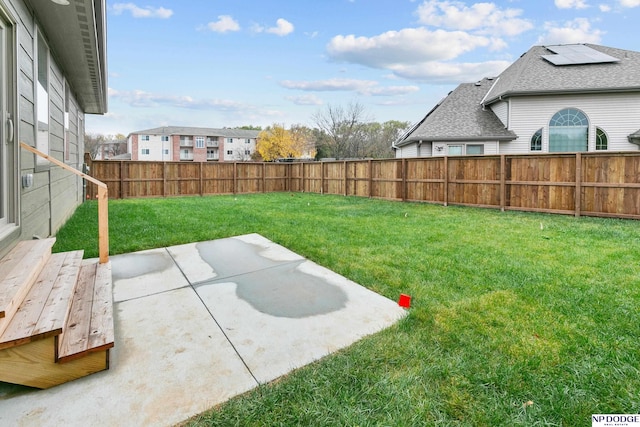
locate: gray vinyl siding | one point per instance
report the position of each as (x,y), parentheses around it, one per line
(55,193)
(617,114)
(501,110)
(409,150)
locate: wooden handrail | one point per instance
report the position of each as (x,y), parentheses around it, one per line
(103,200)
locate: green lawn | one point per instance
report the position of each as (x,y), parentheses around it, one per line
(516,318)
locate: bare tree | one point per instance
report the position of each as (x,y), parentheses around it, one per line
(108,145)
(344,128)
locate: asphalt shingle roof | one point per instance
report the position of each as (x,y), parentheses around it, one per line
(532,74)
(465,114)
(461,116)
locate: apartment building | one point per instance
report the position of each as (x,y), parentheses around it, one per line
(192,144)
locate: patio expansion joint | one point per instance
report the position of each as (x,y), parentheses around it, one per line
(192,286)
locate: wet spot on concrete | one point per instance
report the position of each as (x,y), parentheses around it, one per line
(285,291)
(229,257)
(137,264)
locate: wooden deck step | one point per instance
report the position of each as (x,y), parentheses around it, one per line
(89,327)
(18,271)
(44,309)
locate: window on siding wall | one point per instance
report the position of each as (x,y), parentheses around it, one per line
(144,138)
(602,142)
(536,141)
(568,131)
(145,151)
(42,99)
(229,152)
(455,150)
(475,149)
(165,138)
(67,135)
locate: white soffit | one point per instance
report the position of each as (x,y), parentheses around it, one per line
(577,54)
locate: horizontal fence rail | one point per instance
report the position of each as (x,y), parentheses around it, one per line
(592,184)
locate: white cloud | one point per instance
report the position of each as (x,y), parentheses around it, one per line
(305,100)
(142,12)
(571,4)
(576,31)
(225,23)
(629,3)
(604,8)
(363,87)
(482,18)
(411,45)
(142,99)
(282,28)
(450,73)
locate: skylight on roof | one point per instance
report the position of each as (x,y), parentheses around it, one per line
(577,54)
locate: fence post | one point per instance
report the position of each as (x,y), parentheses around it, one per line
(122,180)
(235,181)
(370,178)
(503,186)
(404,179)
(164,179)
(578,195)
(264,177)
(446,180)
(201,180)
(322,178)
(345,177)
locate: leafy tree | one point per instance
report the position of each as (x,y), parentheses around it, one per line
(380,136)
(275,142)
(303,143)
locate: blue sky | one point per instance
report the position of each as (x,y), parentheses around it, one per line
(226,63)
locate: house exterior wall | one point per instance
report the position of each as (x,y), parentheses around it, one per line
(617,114)
(443,148)
(406,151)
(132,146)
(42,208)
(501,110)
(227,149)
(157,149)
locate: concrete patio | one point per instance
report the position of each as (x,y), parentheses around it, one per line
(200,323)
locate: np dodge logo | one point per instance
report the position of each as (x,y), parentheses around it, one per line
(615,420)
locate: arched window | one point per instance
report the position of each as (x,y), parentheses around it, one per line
(536,141)
(568,131)
(602,142)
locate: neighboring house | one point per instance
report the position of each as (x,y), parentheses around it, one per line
(562,98)
(53,71)
(175,143)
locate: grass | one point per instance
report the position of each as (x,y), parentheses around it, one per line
(517,319)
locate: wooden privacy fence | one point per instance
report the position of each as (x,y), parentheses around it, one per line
(594,184)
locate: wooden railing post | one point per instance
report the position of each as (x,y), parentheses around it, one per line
(103,223)
(103,200)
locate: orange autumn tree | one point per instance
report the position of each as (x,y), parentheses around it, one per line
(276,142)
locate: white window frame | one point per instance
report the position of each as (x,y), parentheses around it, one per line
(199,141)
(42,98)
